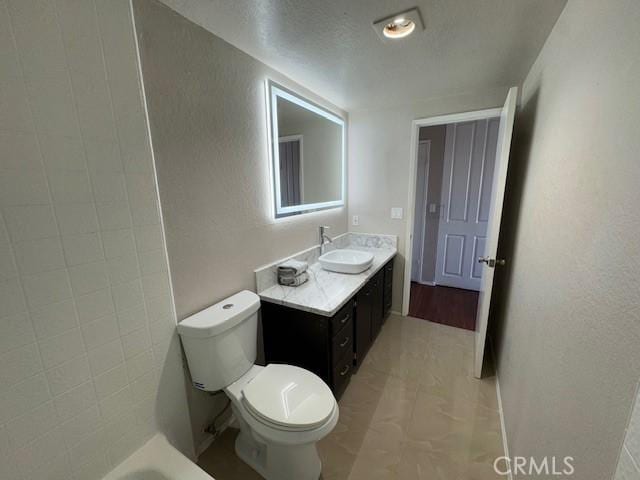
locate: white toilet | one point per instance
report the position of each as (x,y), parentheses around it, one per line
(282,410)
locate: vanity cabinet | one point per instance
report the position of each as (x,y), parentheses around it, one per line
(363,330)
(369,315)
(330,347)
(320,344)
(377,303)
(387,289)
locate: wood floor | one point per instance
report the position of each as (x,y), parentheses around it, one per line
(449,306)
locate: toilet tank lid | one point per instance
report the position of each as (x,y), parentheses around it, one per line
(220,317)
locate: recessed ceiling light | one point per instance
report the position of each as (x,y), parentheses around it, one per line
(399,28)
(399,25)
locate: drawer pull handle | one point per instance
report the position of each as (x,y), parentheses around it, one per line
(345,319)
(344,371)
(346,340)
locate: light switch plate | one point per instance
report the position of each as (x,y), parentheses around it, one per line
(396,213)
(432,208)
(355,220)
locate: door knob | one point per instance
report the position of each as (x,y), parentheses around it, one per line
(492,262)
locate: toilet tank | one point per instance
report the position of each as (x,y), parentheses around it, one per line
(220,341)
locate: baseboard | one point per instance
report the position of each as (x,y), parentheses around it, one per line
(423,282)
(393,312)
(503,427)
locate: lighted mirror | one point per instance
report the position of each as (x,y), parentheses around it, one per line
(307,154)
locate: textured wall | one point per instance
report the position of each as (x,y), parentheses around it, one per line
(568,349)
(209,130)
(379,141)
(88,366)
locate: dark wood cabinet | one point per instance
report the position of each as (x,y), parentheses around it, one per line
(330,347)
(377,303)
(387,289)
(363,327)
(341,375)
(343,342)
(370,314)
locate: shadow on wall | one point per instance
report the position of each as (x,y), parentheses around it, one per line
(170,408)
(511,215)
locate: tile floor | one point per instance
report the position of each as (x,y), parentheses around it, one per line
(413,411)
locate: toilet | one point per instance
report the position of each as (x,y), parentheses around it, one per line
(282,410)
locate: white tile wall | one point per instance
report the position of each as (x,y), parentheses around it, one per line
(629,464)
(85,308)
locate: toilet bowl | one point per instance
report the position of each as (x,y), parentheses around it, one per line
(282,410)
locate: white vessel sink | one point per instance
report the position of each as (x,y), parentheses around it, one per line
(346,261)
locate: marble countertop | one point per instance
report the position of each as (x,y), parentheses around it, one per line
(325,292)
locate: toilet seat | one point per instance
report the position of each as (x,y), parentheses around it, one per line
(289,398)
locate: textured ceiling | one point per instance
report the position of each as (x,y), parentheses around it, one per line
(330,47)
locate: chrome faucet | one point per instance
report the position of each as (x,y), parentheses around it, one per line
(324,238)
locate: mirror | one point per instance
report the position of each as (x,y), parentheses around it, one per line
(307,153)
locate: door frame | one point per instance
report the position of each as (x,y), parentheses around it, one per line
(424,203)
(299,138)
(413,173)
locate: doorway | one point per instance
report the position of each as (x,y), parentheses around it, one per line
(455,164)
(461,222)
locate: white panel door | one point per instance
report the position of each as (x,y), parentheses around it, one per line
(469,157)
(488,260)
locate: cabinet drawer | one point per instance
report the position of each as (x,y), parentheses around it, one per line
(340,319)
(341,374)
(343,342)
